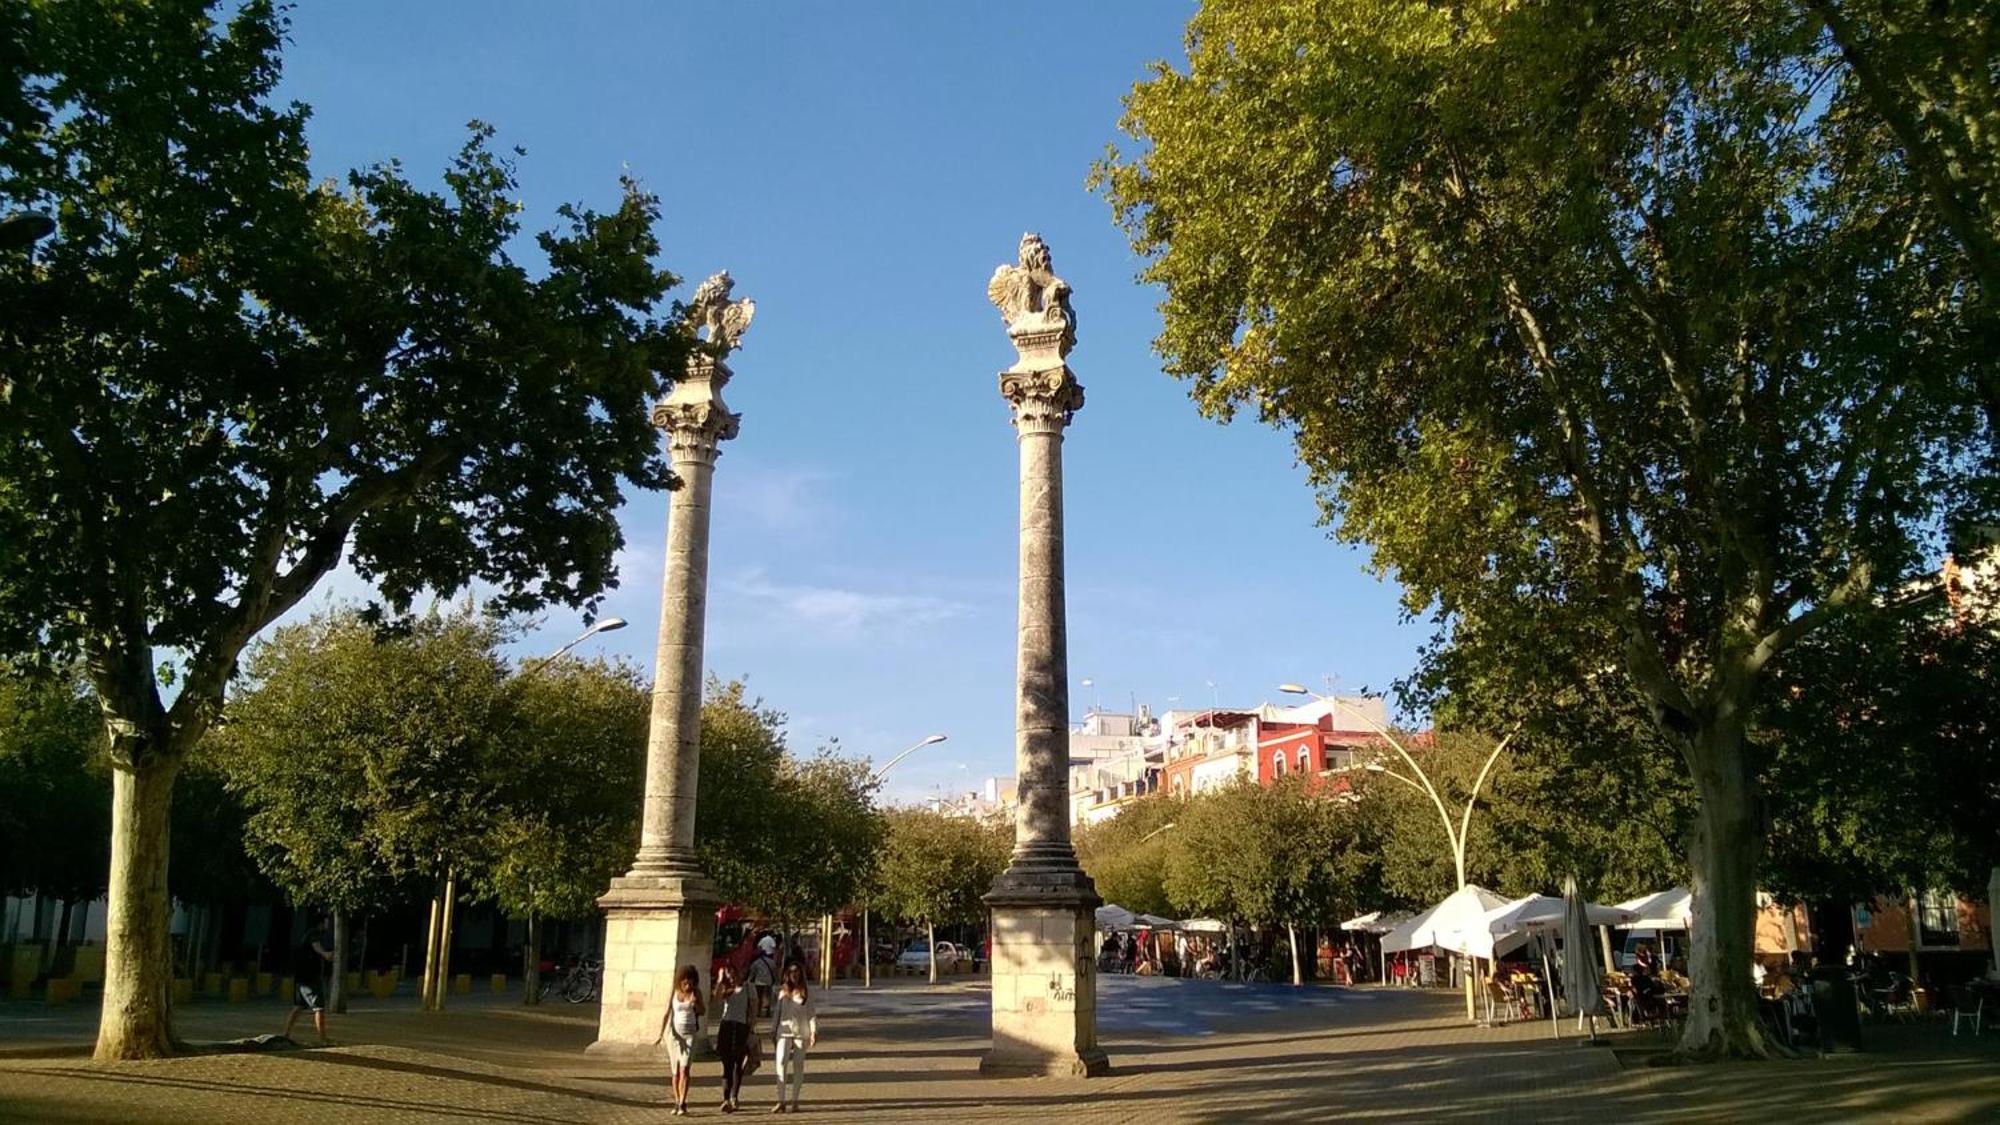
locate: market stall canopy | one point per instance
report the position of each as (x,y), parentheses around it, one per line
(1458,924)
(1545,913)
(1155,922)
(1671,909)
(1203,926)
(1376,921)
(1111,916)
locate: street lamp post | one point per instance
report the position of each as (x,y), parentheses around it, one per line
(867,942)
(1457,833)
(607,625)
(929,740)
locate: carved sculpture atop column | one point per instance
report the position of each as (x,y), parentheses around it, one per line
(660,915)
(1044,983)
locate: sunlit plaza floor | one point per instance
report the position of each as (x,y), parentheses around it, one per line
(1181,1051)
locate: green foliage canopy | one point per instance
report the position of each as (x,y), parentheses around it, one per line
(567,770)
(936,869)
(55,795)
(791,839)
(367,757)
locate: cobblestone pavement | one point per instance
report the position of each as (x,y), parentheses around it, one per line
(1182,1051)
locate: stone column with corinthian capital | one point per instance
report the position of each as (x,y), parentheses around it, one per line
(660,915)
(1043,905)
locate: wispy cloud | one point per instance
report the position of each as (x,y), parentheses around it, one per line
(830,615)
(778,498)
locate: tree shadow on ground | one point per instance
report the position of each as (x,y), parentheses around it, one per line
(153,1079)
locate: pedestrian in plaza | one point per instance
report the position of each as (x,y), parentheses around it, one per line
(794,1030)
(732,1033)
(678,1029)
(763,974)
(310,958)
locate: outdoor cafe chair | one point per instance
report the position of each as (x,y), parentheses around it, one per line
(1968,1005)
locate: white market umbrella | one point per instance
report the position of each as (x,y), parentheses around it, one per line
(1580,976)
(1114,917)
(1376,921)
(1547,913)
(1671,909)
(1457,924)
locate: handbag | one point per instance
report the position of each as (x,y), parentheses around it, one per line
(753,1057)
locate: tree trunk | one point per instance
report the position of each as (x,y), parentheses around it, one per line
(137,1019)
(1292,932)
(1722,1012)
(431,951)
(531,962)
(63,941)
(336,985)
(930,931)
(444,937)
(1916,938)
(868,952)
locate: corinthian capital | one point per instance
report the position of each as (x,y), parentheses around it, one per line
(693,414)
(1043,400)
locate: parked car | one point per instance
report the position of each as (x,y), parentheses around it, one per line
(917,955)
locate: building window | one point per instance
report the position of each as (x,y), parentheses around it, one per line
(1278,763)
(1937,918)
(1305,759)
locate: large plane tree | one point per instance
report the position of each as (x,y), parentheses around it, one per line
(222,376)
(1628,314)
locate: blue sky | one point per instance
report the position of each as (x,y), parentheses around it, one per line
(861,169)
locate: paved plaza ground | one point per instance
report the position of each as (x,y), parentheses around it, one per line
(1182,1051)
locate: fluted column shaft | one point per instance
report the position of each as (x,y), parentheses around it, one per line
(673,738)
(696,424)
(1041,719)
(1044,400)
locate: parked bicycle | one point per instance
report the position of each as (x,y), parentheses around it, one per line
(576,983)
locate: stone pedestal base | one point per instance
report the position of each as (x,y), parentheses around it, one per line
(1044,988)
(653,926)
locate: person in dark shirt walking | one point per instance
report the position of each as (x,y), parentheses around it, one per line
(310,959)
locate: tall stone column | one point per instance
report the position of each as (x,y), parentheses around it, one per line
(660,915)
(1043,905)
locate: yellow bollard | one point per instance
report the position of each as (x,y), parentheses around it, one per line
(498,982)
(287,988)
(61,991)
(462,984)
(23,968)
(88,967)
(262,984)
(354,982)
(382,985)
(212,984)
(183,990)
(239,990)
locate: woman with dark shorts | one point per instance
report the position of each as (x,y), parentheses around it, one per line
(732,1035)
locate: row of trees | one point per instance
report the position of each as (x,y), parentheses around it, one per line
(363,765)
(1642,343)
(1877,754)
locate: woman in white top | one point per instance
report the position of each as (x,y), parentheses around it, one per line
(678,1029)
(794,1029)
